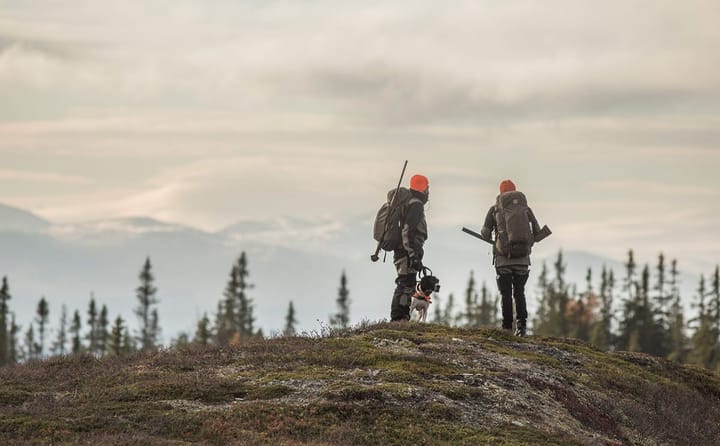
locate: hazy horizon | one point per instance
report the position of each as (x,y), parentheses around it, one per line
(301,262)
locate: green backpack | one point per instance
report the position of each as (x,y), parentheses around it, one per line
(387,229)
(514,236)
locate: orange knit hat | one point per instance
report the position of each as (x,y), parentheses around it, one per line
(419,183)
(507,186)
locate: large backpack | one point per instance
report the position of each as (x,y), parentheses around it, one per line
(387,229)
(514,237)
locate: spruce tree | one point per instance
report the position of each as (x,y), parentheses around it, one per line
(341,319)
(203,333)
(145,311)
(703,340)
(155,327)
(290,321)
(228,319)
(582,311)
(245,304)
(628,323)
(181,341)
(4,326)
(602,331)
(678,344)
(116,337)
(471,303)
(437,316)
(32,348)
(714,304)
(223,331)
(541,320)
(103,331)
(629,283)
(14,342)
(646,326)
(636,332)
(41,320)
(552,317)
(563,296)
(128,342)
(448,317)
(487,309)
(58,347)
(662,302)
(75,328)
(92,324)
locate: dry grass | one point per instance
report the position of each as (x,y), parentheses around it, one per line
(391,384)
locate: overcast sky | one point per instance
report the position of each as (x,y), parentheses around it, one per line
(607,114)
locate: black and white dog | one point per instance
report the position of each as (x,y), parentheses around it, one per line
(424,288)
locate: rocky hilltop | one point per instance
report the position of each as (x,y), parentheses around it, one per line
(375,384)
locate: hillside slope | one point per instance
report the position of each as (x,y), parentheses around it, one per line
(389,384)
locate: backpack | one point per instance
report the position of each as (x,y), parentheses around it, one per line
(387,229)
(514,237)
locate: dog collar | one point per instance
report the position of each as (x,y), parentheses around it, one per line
(419,294)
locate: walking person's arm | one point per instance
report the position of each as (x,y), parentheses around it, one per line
(489,225)
(410,242)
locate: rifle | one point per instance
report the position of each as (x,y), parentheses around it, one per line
(475,234)
(542,235)
(374,257)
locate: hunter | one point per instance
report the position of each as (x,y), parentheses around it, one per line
(515,228)
(408,256)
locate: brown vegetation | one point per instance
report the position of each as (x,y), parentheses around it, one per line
(390,384)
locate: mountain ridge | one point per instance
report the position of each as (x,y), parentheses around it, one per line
(16,219)
(67,263)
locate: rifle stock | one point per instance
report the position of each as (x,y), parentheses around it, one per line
(543,234)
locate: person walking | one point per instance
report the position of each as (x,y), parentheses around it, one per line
(515,229)
(409,255)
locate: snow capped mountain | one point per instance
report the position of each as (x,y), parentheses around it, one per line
(289,232)
(114,230)
(18,220)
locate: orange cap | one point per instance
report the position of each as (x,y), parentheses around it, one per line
(419,183)
(507,186)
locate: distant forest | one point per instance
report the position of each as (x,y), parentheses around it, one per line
(641,311)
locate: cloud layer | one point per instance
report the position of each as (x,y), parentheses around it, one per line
(208,113)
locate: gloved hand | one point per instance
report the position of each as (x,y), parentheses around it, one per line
(415,263)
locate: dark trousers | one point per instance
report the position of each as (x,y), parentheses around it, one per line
(511,283)
(404,286)
(402,297)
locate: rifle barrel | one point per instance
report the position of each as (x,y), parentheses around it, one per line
(476,235)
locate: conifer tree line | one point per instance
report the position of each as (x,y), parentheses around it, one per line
(91,332)
(641,311)
(480,307)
